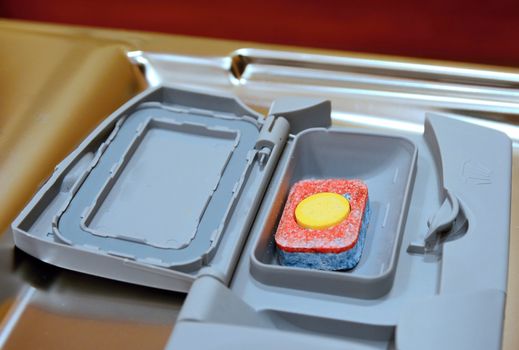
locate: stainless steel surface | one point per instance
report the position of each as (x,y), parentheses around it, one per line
(98,313)
(364,92)
(73,310)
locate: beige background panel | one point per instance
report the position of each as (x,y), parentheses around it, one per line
(54,90)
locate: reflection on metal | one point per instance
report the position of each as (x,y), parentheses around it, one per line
(137,58)
(374,122)
(16,311)
(381,67)
(364,92)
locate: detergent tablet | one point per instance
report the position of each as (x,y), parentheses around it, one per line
(324,224)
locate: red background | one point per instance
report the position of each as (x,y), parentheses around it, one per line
(452,30)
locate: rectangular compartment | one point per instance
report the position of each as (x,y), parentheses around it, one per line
(386,164)
(168,166)
(151,185)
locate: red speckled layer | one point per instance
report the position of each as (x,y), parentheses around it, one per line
(290,237)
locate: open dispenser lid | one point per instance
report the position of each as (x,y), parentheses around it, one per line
(159,190)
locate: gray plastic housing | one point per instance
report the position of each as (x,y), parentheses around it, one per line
(449,285)
(387,165)
(433,273)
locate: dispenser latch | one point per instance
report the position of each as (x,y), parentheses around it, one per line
(440,224)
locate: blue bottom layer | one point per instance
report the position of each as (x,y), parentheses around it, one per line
(330,261)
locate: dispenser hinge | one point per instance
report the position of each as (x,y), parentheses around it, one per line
(273,132)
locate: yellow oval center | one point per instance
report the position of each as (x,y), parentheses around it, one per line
(322,210)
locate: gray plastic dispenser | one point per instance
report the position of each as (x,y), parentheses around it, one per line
(183,191)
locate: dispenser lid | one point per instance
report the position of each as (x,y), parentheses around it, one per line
(162,190)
